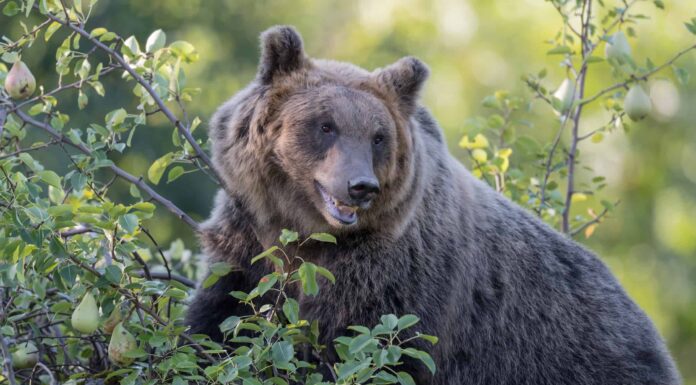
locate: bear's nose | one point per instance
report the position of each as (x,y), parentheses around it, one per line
(363,189)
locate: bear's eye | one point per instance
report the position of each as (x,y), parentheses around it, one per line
(325,128)
(378,139)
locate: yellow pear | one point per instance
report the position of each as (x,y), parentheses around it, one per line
(637,103)
(85,318)
(20,83)
(121,343)
(25,356)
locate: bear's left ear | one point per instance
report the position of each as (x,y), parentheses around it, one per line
(404,79)
(281,53)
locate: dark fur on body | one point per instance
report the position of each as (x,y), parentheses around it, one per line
(512,300)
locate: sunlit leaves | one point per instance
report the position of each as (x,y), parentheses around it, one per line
(157,168)
(155,41)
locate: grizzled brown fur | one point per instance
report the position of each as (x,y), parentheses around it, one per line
(316,145)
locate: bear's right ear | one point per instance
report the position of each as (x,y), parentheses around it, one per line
(404,79)
(281,53)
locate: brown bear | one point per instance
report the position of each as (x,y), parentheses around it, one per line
(323,146)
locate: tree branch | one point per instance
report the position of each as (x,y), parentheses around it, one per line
(586,51)
(184,131)
(634,78)
(115,169)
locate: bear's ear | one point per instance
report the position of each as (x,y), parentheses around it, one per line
(281,53)
(404,79)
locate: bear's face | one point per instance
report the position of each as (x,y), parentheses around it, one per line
(337,145)
(317,145)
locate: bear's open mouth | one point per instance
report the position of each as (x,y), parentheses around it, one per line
(345,214)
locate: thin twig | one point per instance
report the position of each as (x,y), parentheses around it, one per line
(594,220)
(29,149)
(164,276)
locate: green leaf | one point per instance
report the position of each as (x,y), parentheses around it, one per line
(184,50)
(291,309)
(682,75)
(115,118)
(432,339)
(130,47)
(422,356)
(145,207)
(390,321)
(98,32)
(359,343)
(323,237)
(307,273)
(211,280)
(50,178)
(36,109)
(349,368)
(112,273)
(659,4)
(10,9)
(52,28)
(407,321)
(175,173)
(287,236)
(559,50)
(128,222)
(155,41)
(282,352)
(268,254)
(326,274)
(82,100)
(266,283)
(405,378)
(156,170)
(229,323)
(220,268)
(691,26)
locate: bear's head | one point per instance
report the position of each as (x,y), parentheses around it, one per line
(318,145)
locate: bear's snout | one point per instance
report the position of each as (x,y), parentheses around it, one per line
(363,189)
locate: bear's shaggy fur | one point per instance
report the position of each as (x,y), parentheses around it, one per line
(512,300)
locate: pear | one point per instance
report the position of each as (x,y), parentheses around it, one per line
(565,93)
(121,343)
(617,48)
(637,103)
(111,322)
(20,83)
(26,356)
(85,318)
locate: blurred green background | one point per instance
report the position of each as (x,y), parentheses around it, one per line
(473,49)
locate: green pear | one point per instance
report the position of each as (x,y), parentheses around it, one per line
(85,318)
(20,82)
(637,103)
(565,94)
(114,319)
(25,356)
(617,48)
(121,343)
